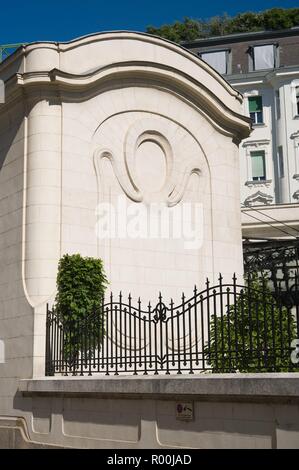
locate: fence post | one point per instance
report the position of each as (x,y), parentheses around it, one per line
(48,353)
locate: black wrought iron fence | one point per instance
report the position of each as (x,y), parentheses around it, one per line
(223,328)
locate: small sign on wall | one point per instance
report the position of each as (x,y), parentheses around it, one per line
(184,411)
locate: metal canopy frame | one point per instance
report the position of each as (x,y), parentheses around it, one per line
(7,49)
(278,260)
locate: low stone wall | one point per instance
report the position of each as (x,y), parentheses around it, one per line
(221,411)
(14,435)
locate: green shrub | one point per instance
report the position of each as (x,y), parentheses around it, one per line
(81,284)
(254,334)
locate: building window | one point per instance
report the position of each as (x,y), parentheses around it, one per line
(258,165)
(277,100)
(295,97)
(217,60)
(280,162)
(256,109)
(263,57)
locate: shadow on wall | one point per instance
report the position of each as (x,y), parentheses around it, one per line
(9,136)
(216,425)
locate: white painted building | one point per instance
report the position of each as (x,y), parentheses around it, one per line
(264,67)
(84,123)
(270,157)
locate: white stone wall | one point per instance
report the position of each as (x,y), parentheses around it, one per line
(144,266)
(104,96)
(16,314)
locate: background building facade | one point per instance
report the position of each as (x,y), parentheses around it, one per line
(264,67)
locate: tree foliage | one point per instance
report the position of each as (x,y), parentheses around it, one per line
(191,29)
(254,334)
(81,284)
(186,30)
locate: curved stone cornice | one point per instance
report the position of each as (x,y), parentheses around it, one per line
(85,54)
(140,73)
(64,47)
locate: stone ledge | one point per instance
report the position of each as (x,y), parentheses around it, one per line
(219,387)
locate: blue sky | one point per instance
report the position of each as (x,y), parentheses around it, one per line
(53,20)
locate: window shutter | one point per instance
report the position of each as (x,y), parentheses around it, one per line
(217,60)
(258,164)
(255,104)
(264,57)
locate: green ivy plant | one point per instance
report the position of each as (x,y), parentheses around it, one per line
(253,335)
(81,285)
